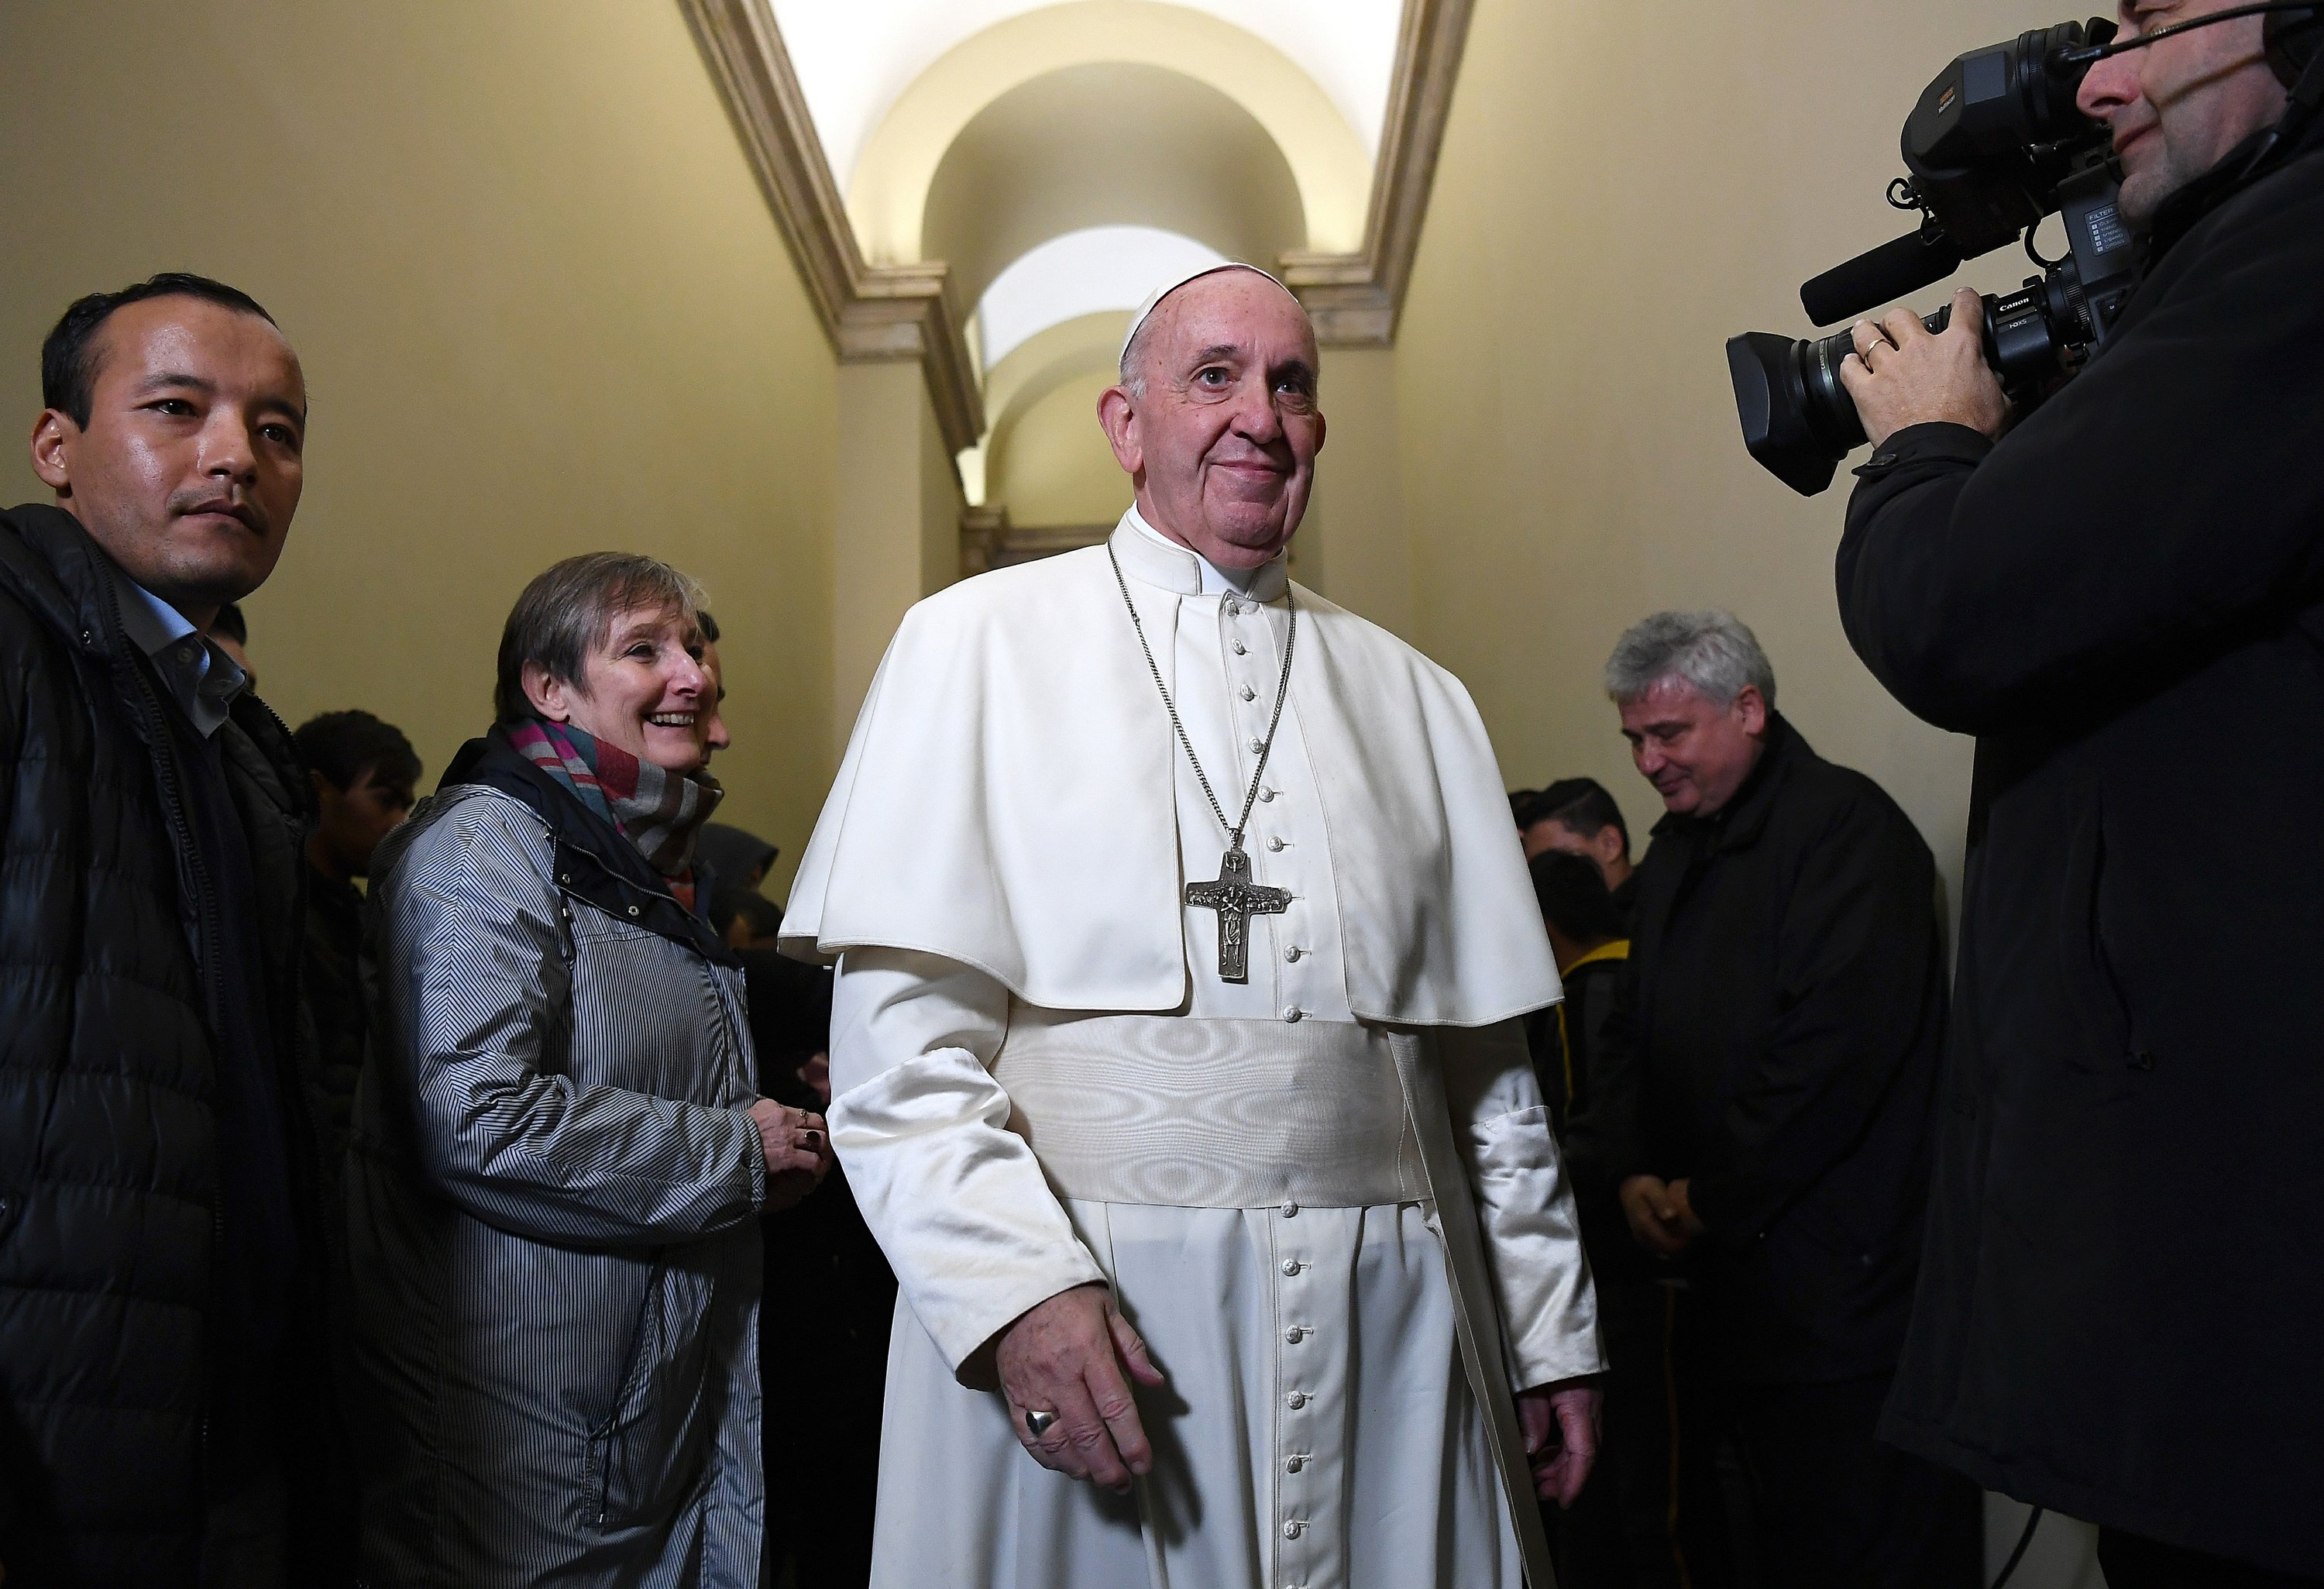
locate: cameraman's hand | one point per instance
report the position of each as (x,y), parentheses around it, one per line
(1903,374)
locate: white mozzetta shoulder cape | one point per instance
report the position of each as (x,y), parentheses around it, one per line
(1007,802)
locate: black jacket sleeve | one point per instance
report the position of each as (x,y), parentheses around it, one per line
(15,667)
(2149,509)
(1604,1142)
(1857,974)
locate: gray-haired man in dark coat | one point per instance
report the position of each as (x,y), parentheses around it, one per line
(1770,1077)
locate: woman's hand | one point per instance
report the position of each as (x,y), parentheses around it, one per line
(797,1149)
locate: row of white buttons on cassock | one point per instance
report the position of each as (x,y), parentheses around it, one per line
(1294,1461)
(1275,842)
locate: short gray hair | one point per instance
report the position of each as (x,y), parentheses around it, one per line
(1133,357)
(1714,652)
(569,608)
(1136,348)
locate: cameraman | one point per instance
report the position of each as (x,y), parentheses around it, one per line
(2123,598)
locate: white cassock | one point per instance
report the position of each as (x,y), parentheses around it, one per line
(1305,1189)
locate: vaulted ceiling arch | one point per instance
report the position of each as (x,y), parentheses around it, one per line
(889,193)
(1108,144)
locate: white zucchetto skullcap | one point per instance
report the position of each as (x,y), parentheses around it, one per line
(1154,299)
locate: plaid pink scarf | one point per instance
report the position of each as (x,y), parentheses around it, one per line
(657,810)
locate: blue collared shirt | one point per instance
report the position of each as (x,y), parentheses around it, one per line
(199,676)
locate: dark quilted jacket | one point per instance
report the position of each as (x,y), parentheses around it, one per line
(108,1171)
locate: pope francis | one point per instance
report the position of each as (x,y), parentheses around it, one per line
(1182,934)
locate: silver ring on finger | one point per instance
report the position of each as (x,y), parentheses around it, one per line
(1037,1424)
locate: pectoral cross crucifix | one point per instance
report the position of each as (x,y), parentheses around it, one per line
(1237,900)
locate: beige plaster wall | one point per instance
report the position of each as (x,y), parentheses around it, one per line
(1622,187)
(941,501)
(897,508)
(1050,463)
(1353,545)
(541,303)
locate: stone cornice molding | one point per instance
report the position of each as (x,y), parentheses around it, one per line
(989,541)
(869,312)
(1354,299)
(873,312)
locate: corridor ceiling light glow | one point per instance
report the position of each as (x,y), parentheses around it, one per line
(1082,272)
(854,57)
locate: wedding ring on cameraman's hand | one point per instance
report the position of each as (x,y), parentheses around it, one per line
(1037,1424)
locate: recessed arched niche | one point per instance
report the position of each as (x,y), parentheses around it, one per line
(1108,144)
(893,171)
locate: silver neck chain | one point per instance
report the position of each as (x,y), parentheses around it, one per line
(1267,747)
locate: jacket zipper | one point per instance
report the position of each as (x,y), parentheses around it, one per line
(160,737)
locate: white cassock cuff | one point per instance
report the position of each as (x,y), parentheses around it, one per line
(956,1199)
(1533,1237)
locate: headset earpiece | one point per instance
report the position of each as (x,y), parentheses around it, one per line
(2292,37)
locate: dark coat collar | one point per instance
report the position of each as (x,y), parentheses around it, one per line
(594,861)
(56,569)
(1739,823)
(59,571)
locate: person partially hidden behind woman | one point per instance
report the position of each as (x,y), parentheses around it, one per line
(561,1149)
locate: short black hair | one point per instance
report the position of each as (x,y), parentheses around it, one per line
(230,623)
(709,626)
(1580,804)
(1574,897)
(68,358)
(344,746)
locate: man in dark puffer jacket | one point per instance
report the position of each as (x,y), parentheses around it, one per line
(157,1235)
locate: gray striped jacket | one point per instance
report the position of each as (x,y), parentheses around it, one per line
(556,1268)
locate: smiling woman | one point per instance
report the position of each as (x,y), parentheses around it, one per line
(612,644)
(562,1108)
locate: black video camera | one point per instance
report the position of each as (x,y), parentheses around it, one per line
(1995,144)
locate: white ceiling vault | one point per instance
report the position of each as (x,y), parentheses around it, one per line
(1088,272)
(854,58)
(1063,157)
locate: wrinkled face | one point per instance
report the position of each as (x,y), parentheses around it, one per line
(189,468)
(1223,441)
(1695,754)
(643,689)
(353,820)
(2176,108)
